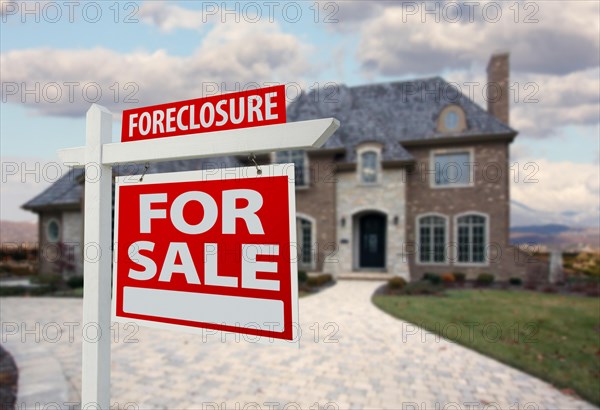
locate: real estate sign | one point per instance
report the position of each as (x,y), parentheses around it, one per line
(208,250)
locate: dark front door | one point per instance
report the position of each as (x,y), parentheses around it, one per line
(372,241)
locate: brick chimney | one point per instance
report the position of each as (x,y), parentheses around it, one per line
(497,88)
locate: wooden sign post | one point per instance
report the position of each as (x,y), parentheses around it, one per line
(98,157)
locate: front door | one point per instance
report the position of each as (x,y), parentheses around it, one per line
(372,241)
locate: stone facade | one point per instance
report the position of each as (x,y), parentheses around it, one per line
(489,195)
(64,254)
(354,199)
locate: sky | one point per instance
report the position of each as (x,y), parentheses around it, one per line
(57,58)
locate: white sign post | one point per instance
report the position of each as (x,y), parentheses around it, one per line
(97,157)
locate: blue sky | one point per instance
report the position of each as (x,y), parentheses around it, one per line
(172,51)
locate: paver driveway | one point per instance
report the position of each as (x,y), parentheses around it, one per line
(352,356)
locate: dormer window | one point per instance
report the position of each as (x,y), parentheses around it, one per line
(452,119)
(368,172)
(369,163)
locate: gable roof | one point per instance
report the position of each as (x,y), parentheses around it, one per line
(392,113)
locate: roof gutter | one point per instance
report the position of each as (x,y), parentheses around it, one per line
(509,137)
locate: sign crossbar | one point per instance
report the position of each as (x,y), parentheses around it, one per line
(289,136)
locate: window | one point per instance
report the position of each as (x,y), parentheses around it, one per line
(52,230)
(432,239)
(452,169)
(305,240)
(471,237)
(368,172)
(452,119)
(298,158)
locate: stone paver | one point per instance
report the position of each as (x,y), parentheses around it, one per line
(352,356)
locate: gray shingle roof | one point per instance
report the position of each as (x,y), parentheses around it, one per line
(63,193)
(67,191)
(391,113)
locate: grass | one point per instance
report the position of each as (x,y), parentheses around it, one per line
(553,337)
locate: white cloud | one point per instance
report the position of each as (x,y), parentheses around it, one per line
(563,192)
(168,17)
(233,55)
(401,40)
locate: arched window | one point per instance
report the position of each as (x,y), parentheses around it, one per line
(305,238)
(368,167)
(452,119)
(432,239)
(471,232)
(300,160)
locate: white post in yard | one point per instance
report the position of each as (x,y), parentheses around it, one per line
(95,383)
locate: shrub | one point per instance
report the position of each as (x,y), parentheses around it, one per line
(459,277)
(550,289)
(396,283)
(422,288)
(302,276)
(21,291)
(515,281)
(433,278)
(50,281)
(75,282)
(319,280)
(485,279)
(448,278)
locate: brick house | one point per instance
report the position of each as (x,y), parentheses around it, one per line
(415,180)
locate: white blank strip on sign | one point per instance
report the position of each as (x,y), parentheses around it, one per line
(200,307)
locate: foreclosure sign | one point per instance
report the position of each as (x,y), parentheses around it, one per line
(208,250)
(252,108)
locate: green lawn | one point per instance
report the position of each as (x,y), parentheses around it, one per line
(554,337)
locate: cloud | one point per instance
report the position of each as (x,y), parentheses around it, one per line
(560,192)
(543,37)
(168,17)
(231,56)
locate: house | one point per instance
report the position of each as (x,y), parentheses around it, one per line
(415,180)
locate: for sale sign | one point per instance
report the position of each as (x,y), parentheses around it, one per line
(252,108)
(208,250)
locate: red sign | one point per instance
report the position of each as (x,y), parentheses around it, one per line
(252,108)
(195,251)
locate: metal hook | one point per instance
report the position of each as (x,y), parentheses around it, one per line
(252,158)
(145,170)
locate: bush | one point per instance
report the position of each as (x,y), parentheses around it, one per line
(422,288)
(459,277)
(448,278)
(485,279)
(21,291)
(433,278)
(515,281)
(75,282)
(302,276)
(319,280)
(51,281)
(549,289)
(396,283)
